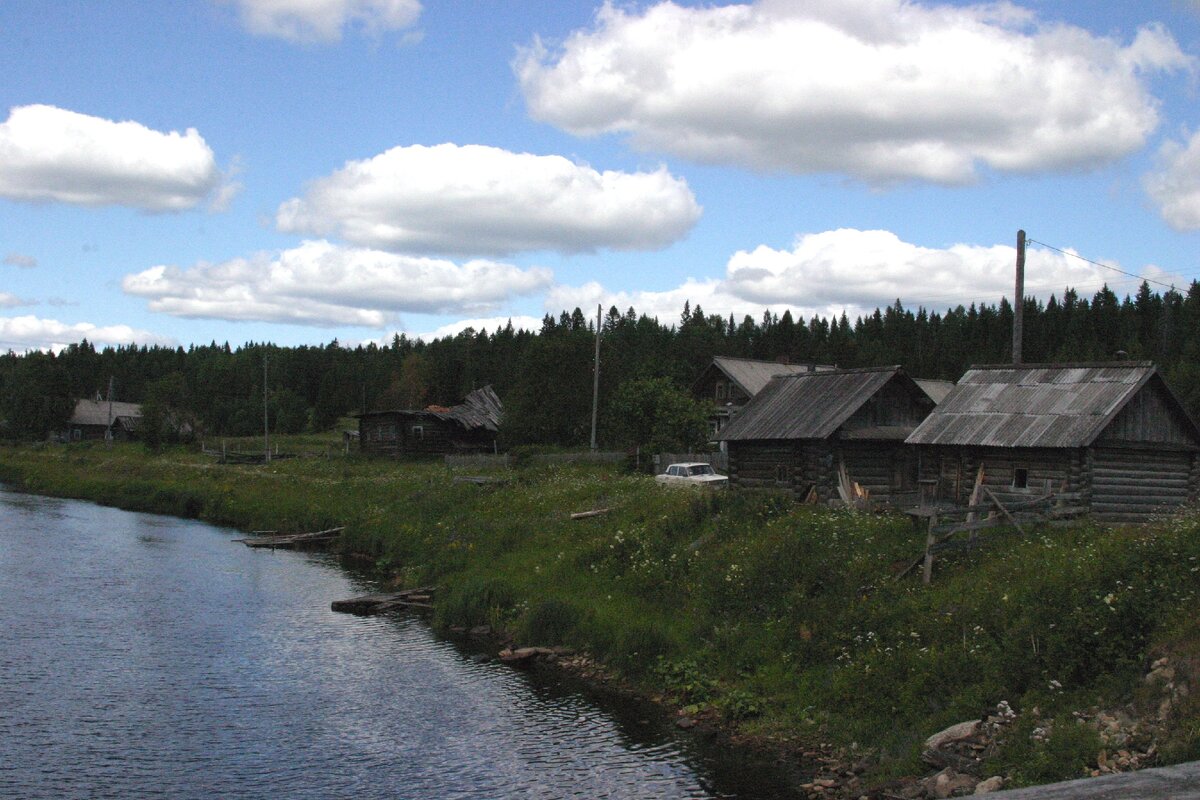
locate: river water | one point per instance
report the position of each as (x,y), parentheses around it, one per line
(145,656)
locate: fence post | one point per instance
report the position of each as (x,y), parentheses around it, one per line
(927,573)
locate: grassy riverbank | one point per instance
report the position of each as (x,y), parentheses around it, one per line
(784,619)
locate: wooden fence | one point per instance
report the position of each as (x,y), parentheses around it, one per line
(504,460)
(947,526)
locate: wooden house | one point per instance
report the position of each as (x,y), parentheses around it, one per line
(1112,432)
(802,432)
(728,383)
(470,427)
(92,418)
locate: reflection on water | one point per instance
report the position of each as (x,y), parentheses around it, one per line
(143,656)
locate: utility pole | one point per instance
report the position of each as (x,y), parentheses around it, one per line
(108,437)
(596,379)
(1019,300)
(266,419)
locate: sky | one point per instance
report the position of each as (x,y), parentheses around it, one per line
(299,171)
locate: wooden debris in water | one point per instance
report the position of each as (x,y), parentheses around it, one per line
(293,540)
(370,604)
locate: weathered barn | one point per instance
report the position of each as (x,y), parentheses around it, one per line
(92,418)
(1112,432)
(729,383)
(470,427)
(800,430)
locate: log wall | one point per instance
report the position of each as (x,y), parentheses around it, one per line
(1131,485)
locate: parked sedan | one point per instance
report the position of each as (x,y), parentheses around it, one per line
(696,474)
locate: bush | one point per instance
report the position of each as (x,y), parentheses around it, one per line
(550,621)
(477,602)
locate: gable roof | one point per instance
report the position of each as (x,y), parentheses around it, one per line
(810,405)
(1037,405)
(480,409)
(937,390)
(752,376)
(95,412)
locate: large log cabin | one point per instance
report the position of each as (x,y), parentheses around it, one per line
(1112,432)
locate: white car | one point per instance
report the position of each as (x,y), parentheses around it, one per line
(696,474)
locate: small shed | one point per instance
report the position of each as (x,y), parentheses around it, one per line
(801,431)
(469,427)
(729,383)
(1112,432)
(93,417)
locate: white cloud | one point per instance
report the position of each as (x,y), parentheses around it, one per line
(33,333)
(49,154)
(483,200)
(318,283)
(12,301)
(1175,185)
(882,90)
(856,271)
(20,260)
(486,324)
(324,20)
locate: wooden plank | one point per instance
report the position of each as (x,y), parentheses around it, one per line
(1005,511)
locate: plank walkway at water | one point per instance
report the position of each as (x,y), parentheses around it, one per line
(293,540)
(1180,782)
(378,603)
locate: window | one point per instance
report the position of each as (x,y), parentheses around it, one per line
(701,469)
(781,473)
(417,431)
(720,391)
(1020,478)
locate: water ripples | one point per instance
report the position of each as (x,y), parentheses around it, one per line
(148,657)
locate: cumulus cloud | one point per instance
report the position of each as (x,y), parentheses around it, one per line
(319,283)
(882,90)
(49,154)
(488,324)
(310,21)
(33,333)
(482,200)
(854,271)
(1175,185)
(20,260)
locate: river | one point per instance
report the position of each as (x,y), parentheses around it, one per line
(144,656)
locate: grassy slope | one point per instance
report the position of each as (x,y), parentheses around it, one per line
(783,617)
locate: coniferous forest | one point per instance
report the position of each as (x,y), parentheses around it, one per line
(545,377)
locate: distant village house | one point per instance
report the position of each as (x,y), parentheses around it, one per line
(92,419)
(470,427)
(809,433)
(728,383)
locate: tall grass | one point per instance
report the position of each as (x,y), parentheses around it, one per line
(784,617)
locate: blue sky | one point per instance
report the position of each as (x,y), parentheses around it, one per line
(302,170)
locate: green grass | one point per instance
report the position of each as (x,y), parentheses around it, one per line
(783,617)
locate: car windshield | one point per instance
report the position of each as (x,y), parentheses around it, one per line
(701,469)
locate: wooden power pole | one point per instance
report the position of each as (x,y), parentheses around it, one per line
(266,419)
(1019,300)
(596,379)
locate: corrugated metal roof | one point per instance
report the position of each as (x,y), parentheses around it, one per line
(95,412)
(753,376)
(811,405)
(1039,405)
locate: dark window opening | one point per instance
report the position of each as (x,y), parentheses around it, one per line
(781,473)
(1020,478)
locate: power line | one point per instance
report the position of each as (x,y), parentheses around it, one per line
(1170,286)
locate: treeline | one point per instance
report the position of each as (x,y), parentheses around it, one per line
(545,378)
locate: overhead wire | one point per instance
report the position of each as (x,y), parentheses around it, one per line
(1170,286)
